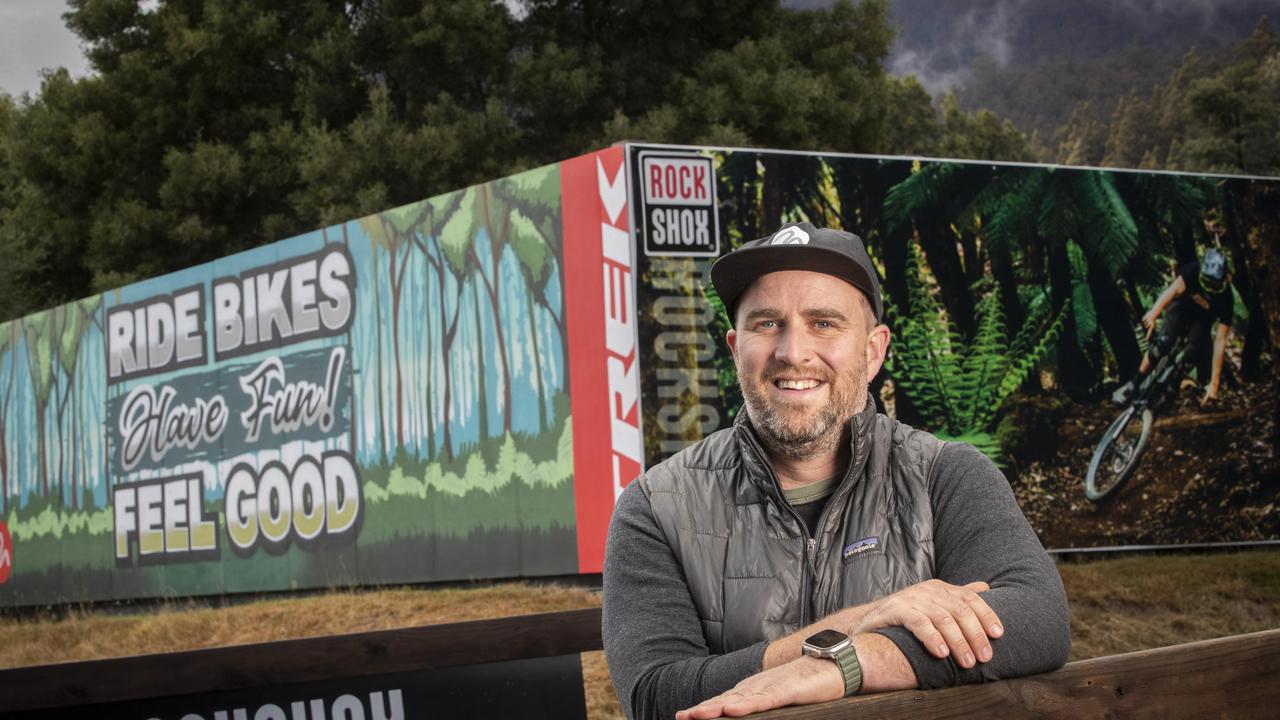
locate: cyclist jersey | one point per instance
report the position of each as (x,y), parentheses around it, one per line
(1203,306)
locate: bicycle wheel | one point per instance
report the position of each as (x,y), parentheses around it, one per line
(1118,452)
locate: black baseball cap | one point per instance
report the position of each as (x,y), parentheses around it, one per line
(797,246)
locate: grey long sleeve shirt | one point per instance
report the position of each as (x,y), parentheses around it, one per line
(660,663)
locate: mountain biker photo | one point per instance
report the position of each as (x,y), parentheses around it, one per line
(1198,296)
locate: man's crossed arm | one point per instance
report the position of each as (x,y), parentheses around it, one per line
(946,619)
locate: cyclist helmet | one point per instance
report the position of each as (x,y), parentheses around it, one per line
(1213,271)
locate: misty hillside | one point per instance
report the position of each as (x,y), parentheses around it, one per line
(1033,61)
(939,41)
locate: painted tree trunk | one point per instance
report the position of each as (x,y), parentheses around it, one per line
(379,406)
(483,392)
(537,365)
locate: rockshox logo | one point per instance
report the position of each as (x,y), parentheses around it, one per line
(678,215)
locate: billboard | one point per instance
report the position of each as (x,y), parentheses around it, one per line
(461,387)
(1015,294)
(386,400)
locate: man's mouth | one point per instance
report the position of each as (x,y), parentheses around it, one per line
(789,384)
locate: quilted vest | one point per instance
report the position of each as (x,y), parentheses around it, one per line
(752,570)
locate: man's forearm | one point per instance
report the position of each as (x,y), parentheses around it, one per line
(884,667)
(788,648)
(1219,356)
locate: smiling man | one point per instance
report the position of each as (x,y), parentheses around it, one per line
(818,549)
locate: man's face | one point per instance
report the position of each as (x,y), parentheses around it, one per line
(805,353)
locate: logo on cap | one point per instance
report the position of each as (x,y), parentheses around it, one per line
(790,236)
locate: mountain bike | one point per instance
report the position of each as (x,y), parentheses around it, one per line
(1121,447)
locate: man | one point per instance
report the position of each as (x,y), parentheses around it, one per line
(1199,296)
(736,569)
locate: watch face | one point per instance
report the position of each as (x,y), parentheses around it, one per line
(826,639)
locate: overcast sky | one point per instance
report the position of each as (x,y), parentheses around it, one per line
(32,37)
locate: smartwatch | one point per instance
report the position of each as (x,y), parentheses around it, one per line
(835,645)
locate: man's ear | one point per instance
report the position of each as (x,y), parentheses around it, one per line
(731,337)
(877,348)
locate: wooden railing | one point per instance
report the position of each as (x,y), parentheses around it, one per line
(290,662)
(1232,677)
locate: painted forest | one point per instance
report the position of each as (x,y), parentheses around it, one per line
(457,414)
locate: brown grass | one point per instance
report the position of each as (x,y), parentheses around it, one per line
(1117,605)
(1128,604)
(84,635)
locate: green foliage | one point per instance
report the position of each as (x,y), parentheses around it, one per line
(1203,114)
(726,370)
(210,126)
(1086,313)
(959,387)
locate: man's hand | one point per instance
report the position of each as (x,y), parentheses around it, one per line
(801,681)
(1149,322)
(945,618)
(1210,395)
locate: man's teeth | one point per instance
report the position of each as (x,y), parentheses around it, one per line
(797,384)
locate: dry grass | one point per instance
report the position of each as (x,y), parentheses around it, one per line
(1128,604)
(83,635)
(1117,605)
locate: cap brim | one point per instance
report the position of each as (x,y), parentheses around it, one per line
(734,273)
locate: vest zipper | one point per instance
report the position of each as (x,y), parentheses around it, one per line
(811,546)
(808,565)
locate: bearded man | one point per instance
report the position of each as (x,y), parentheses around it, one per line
(818,549)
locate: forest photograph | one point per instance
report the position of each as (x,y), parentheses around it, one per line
(1015,295)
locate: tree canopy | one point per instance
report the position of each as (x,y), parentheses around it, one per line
(1210,115)
(210,126)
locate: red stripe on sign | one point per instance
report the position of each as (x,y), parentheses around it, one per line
(599,291)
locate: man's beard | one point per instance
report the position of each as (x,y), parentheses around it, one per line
(814,433)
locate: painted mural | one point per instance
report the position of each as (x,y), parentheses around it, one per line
(381,401)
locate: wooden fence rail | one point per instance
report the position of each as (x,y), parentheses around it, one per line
(299,661)
(1232,677)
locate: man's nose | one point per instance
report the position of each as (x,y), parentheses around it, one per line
(794,347)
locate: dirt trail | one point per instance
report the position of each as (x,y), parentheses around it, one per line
(1209,475)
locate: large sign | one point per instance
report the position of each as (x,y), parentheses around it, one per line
(1015,296)
(462,387)
(604,370)
(385,400)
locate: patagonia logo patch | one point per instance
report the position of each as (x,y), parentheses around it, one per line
(863,546)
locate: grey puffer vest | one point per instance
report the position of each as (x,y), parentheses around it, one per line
(752,570)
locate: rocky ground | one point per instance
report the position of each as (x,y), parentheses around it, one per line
(1208,475)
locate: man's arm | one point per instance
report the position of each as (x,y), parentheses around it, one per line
(1176,288)
(653,639)
(1219,356)
(981,538)
(981,534)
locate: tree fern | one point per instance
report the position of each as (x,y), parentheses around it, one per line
(726,371)
(959,388)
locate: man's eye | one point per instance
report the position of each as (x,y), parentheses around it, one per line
(768,324)
(823,324)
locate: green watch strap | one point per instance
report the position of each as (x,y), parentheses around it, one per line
(847,659)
